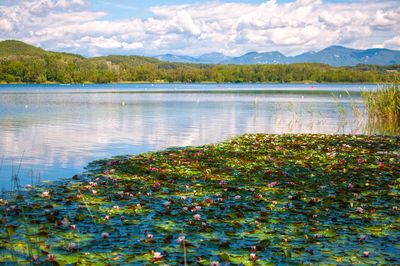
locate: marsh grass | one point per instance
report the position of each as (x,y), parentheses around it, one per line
(383,107)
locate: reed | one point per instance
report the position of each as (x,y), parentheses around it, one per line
(383,105)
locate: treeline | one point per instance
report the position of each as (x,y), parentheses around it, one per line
(66,68)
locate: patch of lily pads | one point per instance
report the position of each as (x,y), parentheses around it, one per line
(252,200)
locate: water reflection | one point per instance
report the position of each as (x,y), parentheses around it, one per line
(59,133)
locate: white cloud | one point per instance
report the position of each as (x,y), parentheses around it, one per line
(5,25)
(232,28)
(69,3)
(101,42)
(393,43)
(131,46)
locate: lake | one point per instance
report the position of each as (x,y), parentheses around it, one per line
(53,131)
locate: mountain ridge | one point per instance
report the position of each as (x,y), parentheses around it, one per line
(24,63)
(334,55)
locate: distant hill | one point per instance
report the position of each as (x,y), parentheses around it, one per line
(11,47)
(123,59)
(213,58)
(24,63)
(258,58)
(18,48)
(333,55)
(210,58)
(342,56)
(177,58)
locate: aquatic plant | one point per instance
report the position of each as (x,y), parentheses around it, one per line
(383,107)
(311,199)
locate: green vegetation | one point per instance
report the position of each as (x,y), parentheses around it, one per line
(383,107)
(384,103)
(20,62)
(253,200)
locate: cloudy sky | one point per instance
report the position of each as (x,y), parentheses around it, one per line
(193,27)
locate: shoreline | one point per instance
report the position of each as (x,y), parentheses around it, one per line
(167,83)
(287,198)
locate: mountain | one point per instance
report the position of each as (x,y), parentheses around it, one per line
(210,58)
(12,47)
(333,55)
(213,58)
(177,58)
(24,63)
(17,48)
(342,56)
(258,58)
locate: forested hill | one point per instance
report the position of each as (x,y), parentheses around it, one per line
(20,62)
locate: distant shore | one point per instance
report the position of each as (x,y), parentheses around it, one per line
(204,82)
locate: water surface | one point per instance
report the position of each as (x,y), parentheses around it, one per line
(53,131)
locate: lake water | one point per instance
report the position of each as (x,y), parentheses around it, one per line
(54,131)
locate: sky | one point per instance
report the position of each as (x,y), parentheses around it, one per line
(193,27)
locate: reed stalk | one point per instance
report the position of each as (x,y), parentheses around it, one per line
(383,107)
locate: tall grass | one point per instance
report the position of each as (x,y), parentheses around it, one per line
(384,103)
(383,107)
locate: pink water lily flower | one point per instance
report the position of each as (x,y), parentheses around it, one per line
(104,235)
(51,257)
(197,217)
(157,256)
(272,184)
(214,263)
(28,186)
(253,256)
(45,194)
